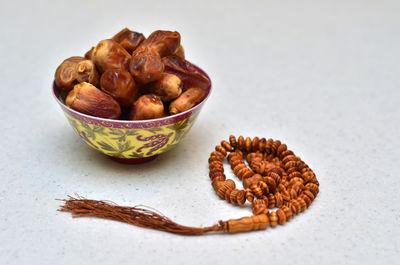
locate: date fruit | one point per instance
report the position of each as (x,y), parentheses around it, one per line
(120,85)
(146,65)
(108,54)
(65,76)
(86,71)
(187,72)
(187,100)
(147,107)
(128,39)
(90,100)
(168,87)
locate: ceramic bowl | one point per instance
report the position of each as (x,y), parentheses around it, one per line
(131,141)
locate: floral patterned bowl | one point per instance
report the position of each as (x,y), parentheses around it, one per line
(131,142)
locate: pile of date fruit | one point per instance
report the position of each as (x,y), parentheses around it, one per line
(130,77)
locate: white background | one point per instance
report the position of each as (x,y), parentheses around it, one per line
(321,76)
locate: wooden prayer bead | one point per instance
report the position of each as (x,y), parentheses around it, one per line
(220,149)
(254,144)
(248,144)
(249,195)
(240,143)
(232,141)
(273,219)
(281,216)
(273,174)
(226,146)
(259,207)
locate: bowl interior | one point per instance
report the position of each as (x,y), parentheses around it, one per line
(126,139)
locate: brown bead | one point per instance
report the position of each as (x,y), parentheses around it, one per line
(224,186)
(252,180)
(228,196)
(246,174)
(278,199)
(232,141)
(306,199)
(291,164)
(302,203)
(218,178)
(264,187)
(256,190)
(295,174)
(216,164)
(249,195)
(281,216)
(275,146)
(271,184)
(296,208)
(238,168)
(241,144)
(235,162)
(309,194)
(259,207)
(289,158)
(240,197)
(307,176)
(285,195)
(288,212)
(285,153)
(273,219)
(220,149)
(293,194)
(313,188)
(271,201)
(275,176)
(261,144)
(281,149)
(254,145)
(226,146)
(248,144)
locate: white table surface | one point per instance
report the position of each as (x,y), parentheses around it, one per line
(322,76)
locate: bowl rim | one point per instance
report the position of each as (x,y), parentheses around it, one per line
(169,117)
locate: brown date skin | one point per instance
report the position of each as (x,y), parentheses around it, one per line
(147,107)
(128,39)
(187,72)
(163,42)
(65,76)
(108,54)
(86,72)
(120,85)
(146,65)
(168,87)
(187,100)
(89,54)
(90,100)
(180,52)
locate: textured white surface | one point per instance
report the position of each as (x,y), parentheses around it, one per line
(322,76)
